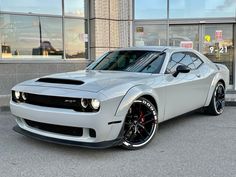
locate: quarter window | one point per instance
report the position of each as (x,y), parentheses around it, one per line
(196,60)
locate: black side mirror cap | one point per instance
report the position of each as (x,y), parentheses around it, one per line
(181,69)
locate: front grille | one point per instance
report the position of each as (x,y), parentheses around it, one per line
(66,130)
(53,101)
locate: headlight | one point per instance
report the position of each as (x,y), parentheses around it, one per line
(88,105)
(84,103)
(17,95)
(95,103)
(24,96)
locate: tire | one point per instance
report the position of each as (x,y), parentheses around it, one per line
(217,104)
(140,125)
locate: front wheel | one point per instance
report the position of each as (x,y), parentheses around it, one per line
(217,103)
(140,124)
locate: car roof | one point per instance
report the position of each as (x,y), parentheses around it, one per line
(169,49)
(156,48)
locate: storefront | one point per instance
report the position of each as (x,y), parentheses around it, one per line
(207,26)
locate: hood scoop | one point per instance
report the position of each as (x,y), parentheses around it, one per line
(60,81)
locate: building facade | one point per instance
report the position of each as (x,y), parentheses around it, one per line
(43,37)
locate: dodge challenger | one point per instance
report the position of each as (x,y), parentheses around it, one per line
(120,98)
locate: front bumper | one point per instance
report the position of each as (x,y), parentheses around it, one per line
(107,133)
(100,145)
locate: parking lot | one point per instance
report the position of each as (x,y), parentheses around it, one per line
(192,145)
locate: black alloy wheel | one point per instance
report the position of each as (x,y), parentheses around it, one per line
(140,124)
(217,104)
(219,98)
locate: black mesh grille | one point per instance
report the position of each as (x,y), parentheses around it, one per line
(66,130)
(53,101)
(60,81)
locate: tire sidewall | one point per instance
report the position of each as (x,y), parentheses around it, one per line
(219,84)
(152,108)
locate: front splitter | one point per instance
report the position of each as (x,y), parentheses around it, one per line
(99,145)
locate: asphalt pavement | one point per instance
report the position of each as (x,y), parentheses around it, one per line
(192,145)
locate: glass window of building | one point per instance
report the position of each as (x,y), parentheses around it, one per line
(218,44)
(184,36)
(34,29)
(75,38)
(151,9)
(150,35)
(53,7)
(74,8)
(202,8)
(30,36)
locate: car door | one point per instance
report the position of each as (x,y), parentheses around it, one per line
(184,93)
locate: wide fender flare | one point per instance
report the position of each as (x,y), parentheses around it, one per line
(215,80)
(133,94)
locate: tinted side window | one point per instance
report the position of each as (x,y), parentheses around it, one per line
(196,60)
(180,58)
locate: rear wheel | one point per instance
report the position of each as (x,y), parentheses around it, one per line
(217,103)
(140,124)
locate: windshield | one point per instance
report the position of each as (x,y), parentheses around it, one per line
(132,61)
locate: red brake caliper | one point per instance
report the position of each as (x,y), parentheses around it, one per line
(142,119)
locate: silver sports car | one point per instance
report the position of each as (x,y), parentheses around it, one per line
(120,98)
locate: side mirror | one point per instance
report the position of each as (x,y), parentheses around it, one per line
(181,69)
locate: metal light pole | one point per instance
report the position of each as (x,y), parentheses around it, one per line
(167,23)
(40,37)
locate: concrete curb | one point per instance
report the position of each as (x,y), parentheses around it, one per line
(230,103)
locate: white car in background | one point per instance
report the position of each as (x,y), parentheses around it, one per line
(120,98)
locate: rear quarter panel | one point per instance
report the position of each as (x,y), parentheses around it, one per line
(221,73)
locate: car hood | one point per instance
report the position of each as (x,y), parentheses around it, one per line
(91,80)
